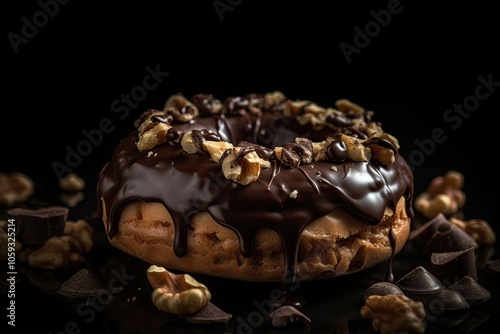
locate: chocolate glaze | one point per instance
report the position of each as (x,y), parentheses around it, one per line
(363,188)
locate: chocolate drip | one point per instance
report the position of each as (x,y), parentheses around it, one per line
(276,169)
(311,181)
(389,276)
(363,188)
(199,136)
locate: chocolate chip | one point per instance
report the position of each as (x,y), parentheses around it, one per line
(35,226)
(382,289)
(82,284)
(209,314)
(446,300)
(337,151)
(419,281)
(471,290)
(288,315)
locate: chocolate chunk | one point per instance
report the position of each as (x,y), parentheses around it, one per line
(337,151)
(471,290)
(446,300)
(34,227)
(207,104)
(419,281)
(452,266)
(83,284)
(382,289)
(288,315)
(440,235)
(209,314)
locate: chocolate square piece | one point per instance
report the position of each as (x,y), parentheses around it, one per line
(34,227)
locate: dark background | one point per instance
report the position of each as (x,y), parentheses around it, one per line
(424,61)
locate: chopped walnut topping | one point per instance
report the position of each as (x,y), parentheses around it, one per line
(180,108)
(354,136)
(240,166)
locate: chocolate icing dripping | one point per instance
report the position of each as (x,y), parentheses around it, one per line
(311,181)
(362,188)
(276,167)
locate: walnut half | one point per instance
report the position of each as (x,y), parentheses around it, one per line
(176,294)
(393,314)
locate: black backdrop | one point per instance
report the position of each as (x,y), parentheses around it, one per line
(72,69)
(69,65)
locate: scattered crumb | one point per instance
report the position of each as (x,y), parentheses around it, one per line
(294,194)
(334,168)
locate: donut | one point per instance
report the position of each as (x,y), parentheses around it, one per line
(257,187)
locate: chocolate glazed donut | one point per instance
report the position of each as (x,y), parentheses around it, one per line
(251,164)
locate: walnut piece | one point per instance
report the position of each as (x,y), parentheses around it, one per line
(15,188)
(242,168)
(82,232)
(443,195)
(393,314)
(176,294)
(181,108)
(479,229)
(154,135)
(57,252)
(273,99)
(63,250)
(216,148)
(355,148)
(71,182)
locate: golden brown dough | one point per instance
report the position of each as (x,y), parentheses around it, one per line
(333,245)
